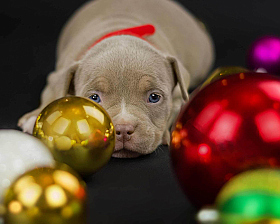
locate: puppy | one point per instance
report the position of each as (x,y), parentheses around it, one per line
(138,73)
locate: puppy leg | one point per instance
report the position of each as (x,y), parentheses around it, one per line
(27,121)
(57,86)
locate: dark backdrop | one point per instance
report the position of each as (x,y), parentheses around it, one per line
(140,190)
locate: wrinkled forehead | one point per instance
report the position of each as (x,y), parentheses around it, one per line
(125,69)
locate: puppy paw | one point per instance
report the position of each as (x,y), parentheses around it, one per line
(26,122)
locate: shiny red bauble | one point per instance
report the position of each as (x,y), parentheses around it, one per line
(230,126)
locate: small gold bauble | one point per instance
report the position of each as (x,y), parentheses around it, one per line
(78,131)
(46,195)
(221,72)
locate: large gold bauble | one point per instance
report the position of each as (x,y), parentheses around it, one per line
(46,195)
(78,131)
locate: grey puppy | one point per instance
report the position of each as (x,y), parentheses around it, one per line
(141,83)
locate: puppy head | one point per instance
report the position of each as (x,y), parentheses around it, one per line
(133,82)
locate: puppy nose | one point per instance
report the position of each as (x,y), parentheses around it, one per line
(124,132)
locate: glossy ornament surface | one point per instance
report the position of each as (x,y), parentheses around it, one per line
(46,195)
(230,126)
(249,197)
(20,152)
(265,53)
(78,131)
(221,72)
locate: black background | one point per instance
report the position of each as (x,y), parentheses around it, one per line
(140,190)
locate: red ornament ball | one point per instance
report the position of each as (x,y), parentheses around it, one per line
(230,126)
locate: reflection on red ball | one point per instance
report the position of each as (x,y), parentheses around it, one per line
(231,125)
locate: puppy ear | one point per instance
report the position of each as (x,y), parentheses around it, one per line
(69,87)
(62,80)
(181,76)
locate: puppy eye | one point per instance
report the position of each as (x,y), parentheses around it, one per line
(154,98)
(95,98)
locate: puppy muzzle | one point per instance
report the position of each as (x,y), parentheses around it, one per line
(124,133)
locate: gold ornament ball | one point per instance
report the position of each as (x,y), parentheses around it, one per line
(221,72)
(78,131)
(46,195)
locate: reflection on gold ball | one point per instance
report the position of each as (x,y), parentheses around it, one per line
(78,131)
(46,195)
(221,72)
